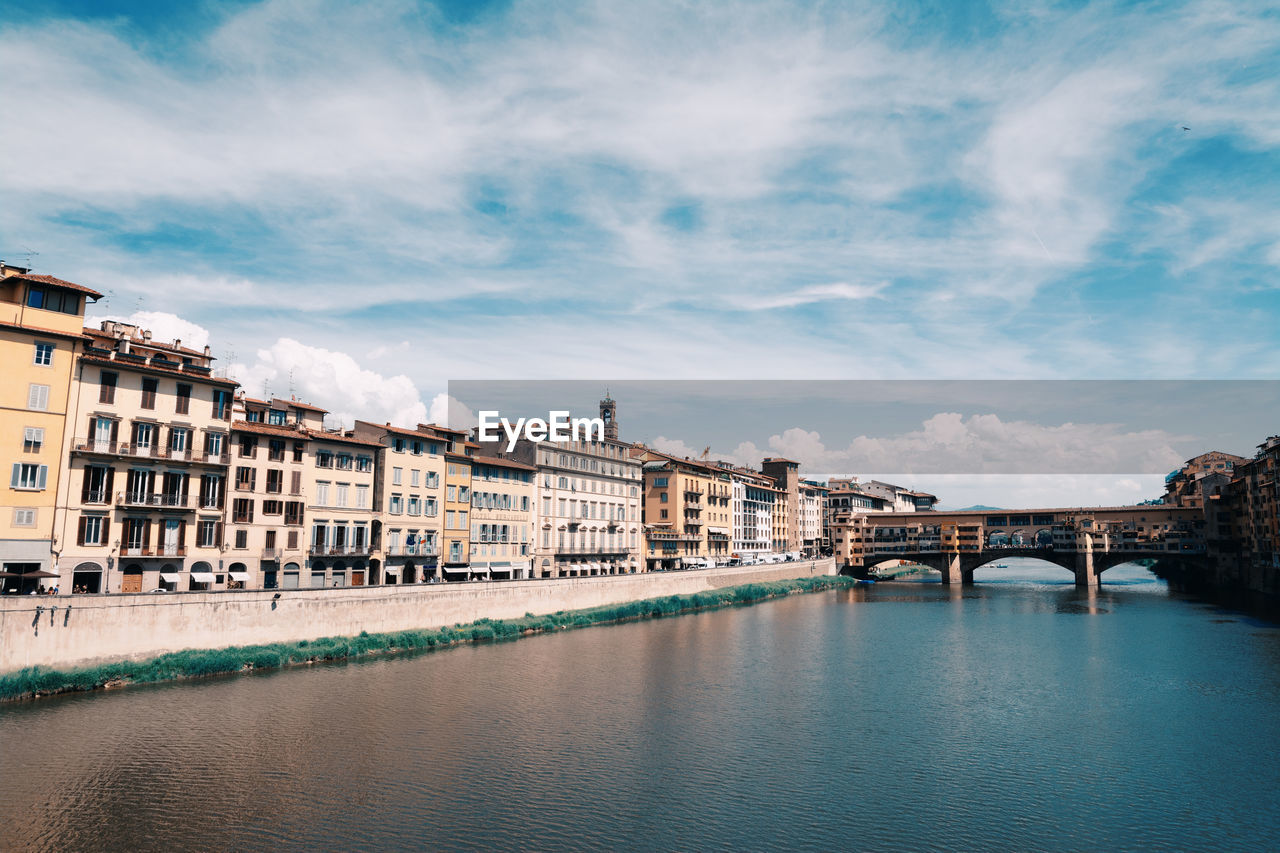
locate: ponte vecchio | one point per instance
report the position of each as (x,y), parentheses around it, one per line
(1084,540)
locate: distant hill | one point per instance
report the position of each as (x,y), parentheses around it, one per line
(981,507)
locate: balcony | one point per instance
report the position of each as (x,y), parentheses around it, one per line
(151,501)
(98,496)
(147,451)
(424,550)
(320,550)
(163,551)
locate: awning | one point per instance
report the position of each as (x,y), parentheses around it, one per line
(40,574)
(170,577)
(392,570)
(239,576)
(202,577)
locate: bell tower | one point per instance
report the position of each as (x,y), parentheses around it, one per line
(609,414)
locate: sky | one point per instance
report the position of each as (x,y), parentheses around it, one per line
(364,202)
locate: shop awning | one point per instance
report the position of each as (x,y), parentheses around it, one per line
(202,577)
(240,576)
(392,570)
(170,577)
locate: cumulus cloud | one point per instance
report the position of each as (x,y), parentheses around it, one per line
(335,381)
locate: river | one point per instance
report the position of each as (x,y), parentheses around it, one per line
(1018,714)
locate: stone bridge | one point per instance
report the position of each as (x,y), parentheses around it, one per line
(1085,541)
(1087,566)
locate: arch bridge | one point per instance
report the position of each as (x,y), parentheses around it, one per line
(1084,540)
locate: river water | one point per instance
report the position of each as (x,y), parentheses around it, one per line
(1017,714)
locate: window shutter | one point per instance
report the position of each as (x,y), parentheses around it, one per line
(115,431)
(217,534)
(146,536)
(80,532)
(253,479)
(296,483)
(44,476)
(106,531)
(84,496)
(110,484)
(182,535)
(93,431)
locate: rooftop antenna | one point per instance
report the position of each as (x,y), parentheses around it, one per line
(28,253)
(137,306)
(291,383)
(106,301)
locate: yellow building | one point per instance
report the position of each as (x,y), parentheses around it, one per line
(456,546)
(687,512)
(41,335)
(408,498)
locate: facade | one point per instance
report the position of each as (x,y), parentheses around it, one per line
(408,498)
(812,503)
(338,481)
(1250,559)
(141,499)
(503,518)
(41,341)
(786,473)
(755,500)
(1187,485)
(688,517)
(588,511)
(456,544)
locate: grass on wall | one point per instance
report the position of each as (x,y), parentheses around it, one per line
(197,663)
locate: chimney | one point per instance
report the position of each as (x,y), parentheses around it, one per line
(177,342)
(207,352)
(146,336)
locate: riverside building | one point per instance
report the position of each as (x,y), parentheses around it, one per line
(408,498)
(687,511)
(503,518)
(41,341)
(141,499)
(588,504)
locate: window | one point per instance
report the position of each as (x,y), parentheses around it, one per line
(248,446)
(397,445)
(182,403)
(344,461)
(91,530)
(53,300)
(213,443)
(364,463)
(178,439)
(451,493)
(275,481)
(242,539)
(149,387)
(397,476)
(44,355)
(662,496)
(430,508)
(432,480)
(275,450)
(38,397)
(322,494)
(246,478)
(24,517)
(415,505)
(207,533)
(242,510)
(414,476)
(660,481)
(396,505)
(341,491)
(107,387)
(29,476)
(324,459)
(293,512)
(32,439)
(362,497)
(272,508)
(276,416)
(210,491)
(297,451)
(222,405)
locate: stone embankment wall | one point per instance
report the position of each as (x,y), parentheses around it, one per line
(77,630)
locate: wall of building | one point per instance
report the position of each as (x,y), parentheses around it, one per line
(66,631)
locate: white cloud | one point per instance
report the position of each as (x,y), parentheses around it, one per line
(810,294)
(334,381)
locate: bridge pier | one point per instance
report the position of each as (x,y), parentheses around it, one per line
(951,571)
(1085,575)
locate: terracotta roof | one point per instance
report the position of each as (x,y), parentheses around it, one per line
(298,404)
(153,343)
(501,462)
(269,429)
(157,368)
(442,428)
(318,435)
(411,433)
(55,282)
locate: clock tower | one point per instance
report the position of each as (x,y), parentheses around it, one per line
(609,414)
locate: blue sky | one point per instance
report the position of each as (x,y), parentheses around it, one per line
(399,194)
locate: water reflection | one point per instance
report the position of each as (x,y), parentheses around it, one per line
(815,722)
